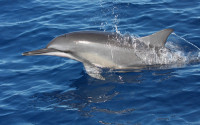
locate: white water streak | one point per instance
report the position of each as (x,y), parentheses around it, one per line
(186,41)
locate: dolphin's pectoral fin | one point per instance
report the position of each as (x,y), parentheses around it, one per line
(94,71)
(157,39)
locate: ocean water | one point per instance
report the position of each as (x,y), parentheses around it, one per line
(45,90)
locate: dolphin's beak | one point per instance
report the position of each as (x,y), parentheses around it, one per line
(39,52)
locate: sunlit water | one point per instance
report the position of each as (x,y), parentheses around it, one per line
(54,90)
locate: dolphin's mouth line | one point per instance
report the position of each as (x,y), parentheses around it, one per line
(43,51)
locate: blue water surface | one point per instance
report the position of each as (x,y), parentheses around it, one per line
(53,90)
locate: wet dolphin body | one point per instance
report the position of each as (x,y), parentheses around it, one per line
(100,49)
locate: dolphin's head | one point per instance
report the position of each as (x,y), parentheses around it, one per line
(61,43)
(59,46)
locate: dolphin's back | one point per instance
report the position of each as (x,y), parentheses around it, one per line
(93,36)
(88,37)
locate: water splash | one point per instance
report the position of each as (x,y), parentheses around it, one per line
(193,51)
(186,41)
(115,20)
(109,11)
(176,52)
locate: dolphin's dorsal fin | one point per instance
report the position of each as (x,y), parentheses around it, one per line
(157,39)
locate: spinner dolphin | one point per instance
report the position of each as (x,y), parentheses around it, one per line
(98,50)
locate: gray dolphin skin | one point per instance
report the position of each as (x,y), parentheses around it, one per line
(98,50)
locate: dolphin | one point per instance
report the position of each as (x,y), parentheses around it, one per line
(97,50)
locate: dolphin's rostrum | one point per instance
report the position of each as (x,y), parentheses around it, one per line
(101,49)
